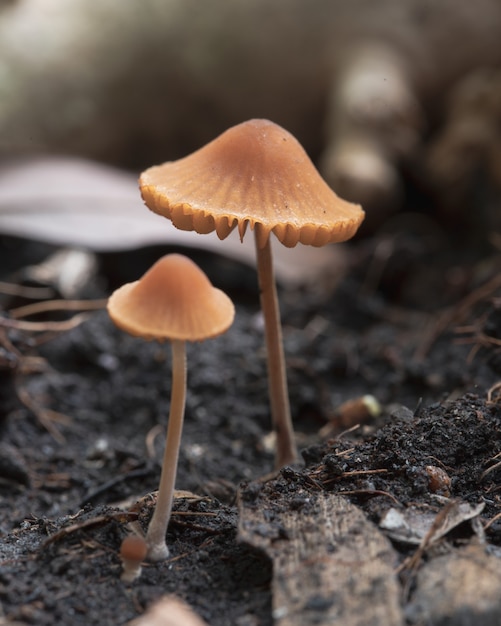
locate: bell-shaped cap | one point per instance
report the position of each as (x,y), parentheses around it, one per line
(173,300)
(254,173)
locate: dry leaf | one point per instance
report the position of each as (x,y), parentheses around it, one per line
(74,202)
(412,525)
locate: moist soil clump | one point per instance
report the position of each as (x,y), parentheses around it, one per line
(83,416)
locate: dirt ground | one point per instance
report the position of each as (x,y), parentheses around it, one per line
(415,322)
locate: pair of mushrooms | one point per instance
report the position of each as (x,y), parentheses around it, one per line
(255,173)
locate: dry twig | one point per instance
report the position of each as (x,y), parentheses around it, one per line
(57,305)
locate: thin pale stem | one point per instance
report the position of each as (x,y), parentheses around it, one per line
(155,537)
(277,377)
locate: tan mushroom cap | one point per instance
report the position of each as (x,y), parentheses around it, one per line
(173,300)
(133,548)
(254,173)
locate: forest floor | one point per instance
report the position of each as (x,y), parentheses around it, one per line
(415,323)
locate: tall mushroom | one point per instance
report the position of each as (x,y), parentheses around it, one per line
(255,173)
(173,300)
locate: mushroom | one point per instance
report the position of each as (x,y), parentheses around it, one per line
(133,551)
(255,173)
(174,300)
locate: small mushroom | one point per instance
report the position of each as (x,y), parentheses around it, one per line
(174,300)
(255,173)
(133,551)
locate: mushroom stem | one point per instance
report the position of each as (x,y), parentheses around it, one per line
(155,537)
(277,377)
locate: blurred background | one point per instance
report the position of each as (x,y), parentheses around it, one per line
(398,104)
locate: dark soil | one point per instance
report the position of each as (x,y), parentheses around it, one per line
(389,329)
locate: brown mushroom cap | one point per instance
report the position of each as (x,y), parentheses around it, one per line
(133,548)
(254,173)
(173,300)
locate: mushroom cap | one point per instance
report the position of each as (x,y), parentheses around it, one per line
(173,300)
(254,173)
(133,548)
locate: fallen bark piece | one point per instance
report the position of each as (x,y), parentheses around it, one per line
(168,611)
(458,589)
(330,564)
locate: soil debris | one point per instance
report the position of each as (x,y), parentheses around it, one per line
(434,445)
